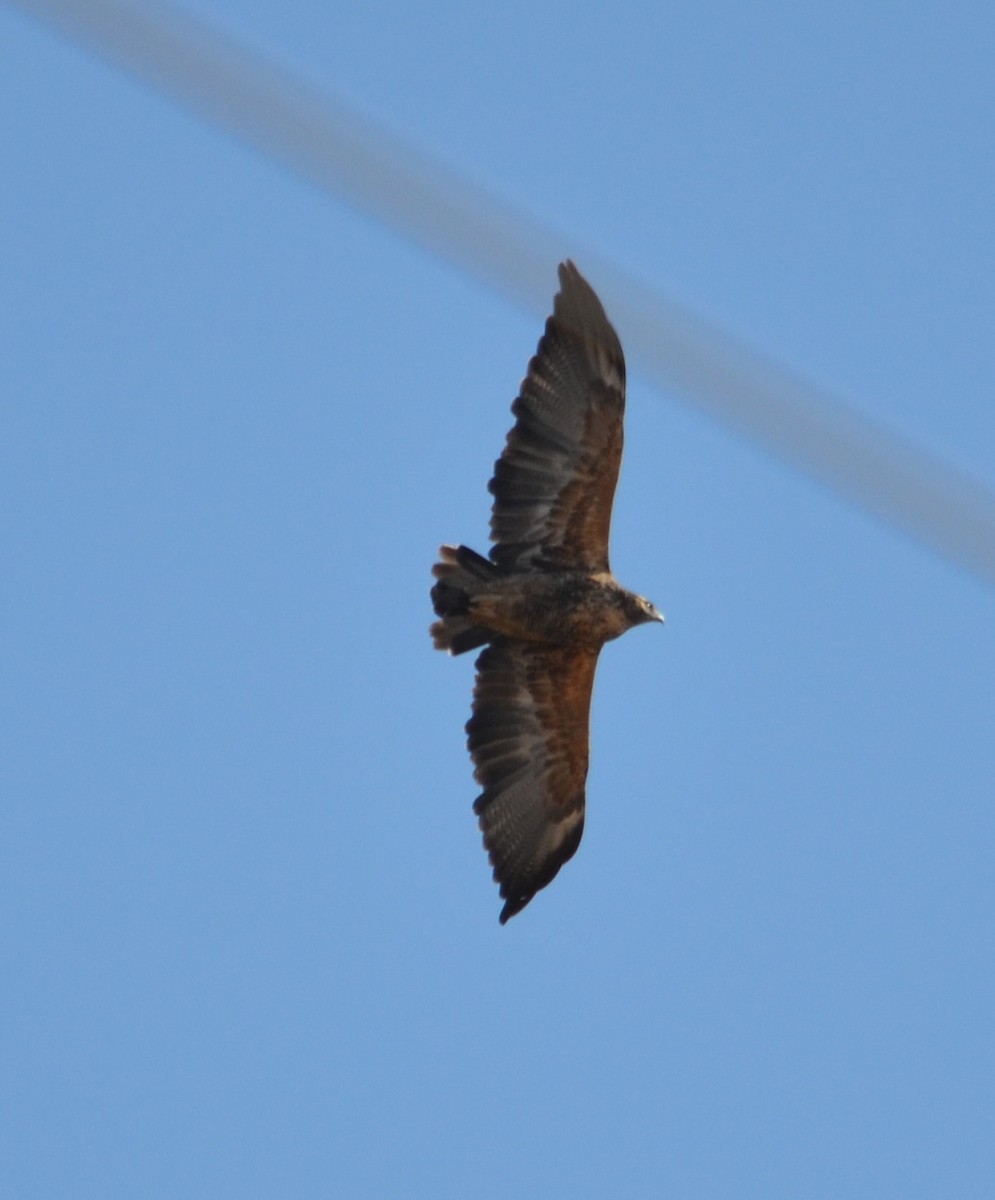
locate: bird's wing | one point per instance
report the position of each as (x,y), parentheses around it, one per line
(529,740)
(554,483)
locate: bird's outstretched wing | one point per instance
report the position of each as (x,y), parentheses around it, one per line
(529,740)
(554,483)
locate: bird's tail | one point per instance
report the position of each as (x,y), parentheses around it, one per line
(460,572)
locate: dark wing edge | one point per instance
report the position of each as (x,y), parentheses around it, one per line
(528,736)
(554,483)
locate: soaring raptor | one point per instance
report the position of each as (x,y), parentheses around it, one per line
(545,602)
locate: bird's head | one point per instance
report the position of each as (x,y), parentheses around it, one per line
(642,610)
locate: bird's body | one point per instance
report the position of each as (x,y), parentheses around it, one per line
(545,602)
(554,608)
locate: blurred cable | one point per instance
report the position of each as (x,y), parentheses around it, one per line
(321,139)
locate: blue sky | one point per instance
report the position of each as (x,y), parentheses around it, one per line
(250,943)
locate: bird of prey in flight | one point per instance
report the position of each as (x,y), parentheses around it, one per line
(545,601)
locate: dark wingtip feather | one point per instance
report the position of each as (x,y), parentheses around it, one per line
(512,907)
(578,307)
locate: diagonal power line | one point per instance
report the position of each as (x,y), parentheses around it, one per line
(333,147)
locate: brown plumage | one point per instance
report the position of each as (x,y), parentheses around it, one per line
(545,602)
